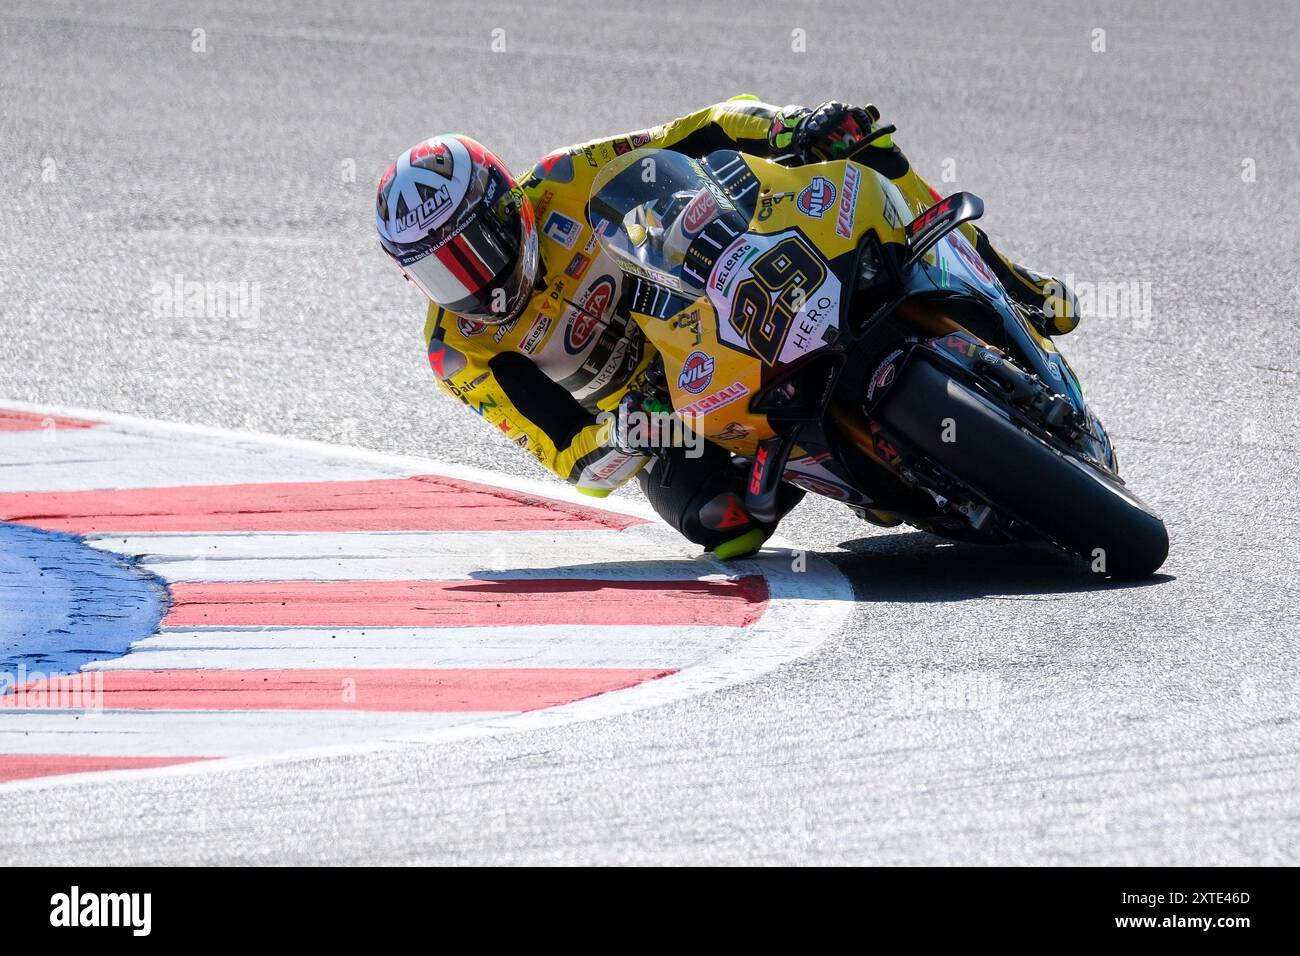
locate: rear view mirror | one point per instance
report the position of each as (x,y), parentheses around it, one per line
(939,220)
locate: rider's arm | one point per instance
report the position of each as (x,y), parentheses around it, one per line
(829,131)
(743,123)
(508,391)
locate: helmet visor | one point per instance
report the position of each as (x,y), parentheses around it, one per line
(482,266)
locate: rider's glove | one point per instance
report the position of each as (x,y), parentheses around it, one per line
(634,430)
(824,133)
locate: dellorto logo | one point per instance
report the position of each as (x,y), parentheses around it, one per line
(737,253)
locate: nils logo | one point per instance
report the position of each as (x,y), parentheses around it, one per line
(590,316)
(697,373)
(815,198)
(469,327)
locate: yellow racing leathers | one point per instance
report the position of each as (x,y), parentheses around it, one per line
(543,378)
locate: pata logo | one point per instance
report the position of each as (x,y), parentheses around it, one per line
(75,908)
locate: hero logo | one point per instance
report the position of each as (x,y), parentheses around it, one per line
(697,373)
(816,197)
(702,208)
(590,316)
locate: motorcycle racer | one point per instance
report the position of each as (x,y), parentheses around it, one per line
(526,323)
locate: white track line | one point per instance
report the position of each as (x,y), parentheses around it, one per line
(436,556)
(202,733)
(808,604)
(76,459)
(430,647)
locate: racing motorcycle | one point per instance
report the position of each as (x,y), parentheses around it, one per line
(822,329)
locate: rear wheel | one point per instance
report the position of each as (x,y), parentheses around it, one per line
(1060,497)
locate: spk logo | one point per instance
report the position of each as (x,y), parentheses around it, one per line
(815,198)
(697,373)
(591,316)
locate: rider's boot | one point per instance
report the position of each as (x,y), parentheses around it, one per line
(704,499)
(1052,305)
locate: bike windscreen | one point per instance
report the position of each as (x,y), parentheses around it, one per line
(661,215)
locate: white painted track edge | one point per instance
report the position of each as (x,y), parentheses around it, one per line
(805,609)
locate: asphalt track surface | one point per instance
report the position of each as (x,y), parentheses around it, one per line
(981,706)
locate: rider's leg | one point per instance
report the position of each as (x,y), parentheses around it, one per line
(704,499)
(1056,308)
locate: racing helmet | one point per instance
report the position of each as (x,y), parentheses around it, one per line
(454,220)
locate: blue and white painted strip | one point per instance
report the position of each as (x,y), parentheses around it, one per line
(155,714)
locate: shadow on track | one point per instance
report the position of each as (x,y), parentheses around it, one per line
(915,566)
(897,567)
